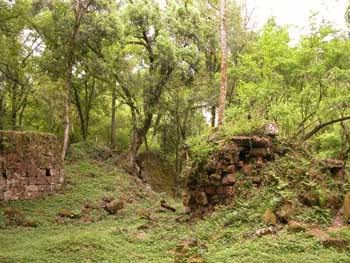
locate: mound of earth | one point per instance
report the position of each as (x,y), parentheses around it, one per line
(158,173)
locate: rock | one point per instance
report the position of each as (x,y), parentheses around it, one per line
(113,207)
(187,210)
(271,129)
(259,152)
(224,190)
(336,243)
(14,217)
(186,197)
(254,179)
(266,231)
(29,223)
(285,212)
(201,198)
(309,199)
(269,217)
(229,179)
(215,177)
(141,235)
(66,213)
(108,199)
(295,226)
(251,141)
(210,190)
(334,201)
(217,199)
(259,162)
(247,170)
(187,251)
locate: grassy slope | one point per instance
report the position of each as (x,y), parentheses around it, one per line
(118,239)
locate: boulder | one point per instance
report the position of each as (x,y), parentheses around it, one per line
(285,213)
(295,226)
(114,206)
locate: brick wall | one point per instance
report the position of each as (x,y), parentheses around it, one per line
(30,165)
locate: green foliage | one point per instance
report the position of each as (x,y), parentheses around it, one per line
(238,122)
(202,146)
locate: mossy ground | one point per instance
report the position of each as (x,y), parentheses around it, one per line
(227,235)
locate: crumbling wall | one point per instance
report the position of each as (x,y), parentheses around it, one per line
(30,165)
(215,181)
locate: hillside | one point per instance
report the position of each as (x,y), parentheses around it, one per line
(72,226)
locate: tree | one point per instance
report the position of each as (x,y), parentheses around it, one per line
(15,62)
(150,42)
(347,12)
(223,82)
(80,7)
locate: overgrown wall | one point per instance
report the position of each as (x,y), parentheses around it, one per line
(30,165)
(216,180)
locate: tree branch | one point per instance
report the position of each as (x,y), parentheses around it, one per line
(321,126)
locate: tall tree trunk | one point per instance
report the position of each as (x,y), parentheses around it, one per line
(213,116)
(223,83)
(80,112)
(79,10)
(113,124)
(2,112)
(66,118)
(13,120)
(138,137)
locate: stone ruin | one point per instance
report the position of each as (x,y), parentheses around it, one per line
(216,180)
(30,165)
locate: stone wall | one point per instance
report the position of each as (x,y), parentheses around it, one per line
(30,165)
(216,180)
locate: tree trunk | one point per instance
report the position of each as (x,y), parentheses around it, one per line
(2,112)
(13,109)
(80,112)
(137,140)
(113,124)
(66,120)
(213,116)
(138,137)
(223,83)
(79,10)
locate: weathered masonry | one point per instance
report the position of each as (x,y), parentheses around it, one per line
(30,165)
(216,180)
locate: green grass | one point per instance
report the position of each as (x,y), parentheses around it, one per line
(226,234)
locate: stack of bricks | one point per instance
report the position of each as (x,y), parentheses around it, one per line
(30,165)
(214,181)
